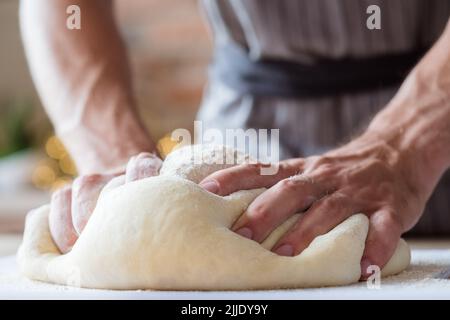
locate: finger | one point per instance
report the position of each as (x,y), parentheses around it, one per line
(274,206)
(322,217)
(248,176)
(85,192)
(382,239)
(142,166)
(60,220)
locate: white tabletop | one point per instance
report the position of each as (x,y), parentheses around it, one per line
(424,279)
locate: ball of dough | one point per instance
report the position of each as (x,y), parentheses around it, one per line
(167,233)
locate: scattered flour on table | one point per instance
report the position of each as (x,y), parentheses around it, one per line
(426,266)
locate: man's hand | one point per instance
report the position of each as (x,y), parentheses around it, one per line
(388,173)
(72,206)
(366,176)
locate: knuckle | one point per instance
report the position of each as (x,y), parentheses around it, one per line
(252,168)
(324,161)
(147,162)
(289,185)
(140,166)
(313,160)
(131,161)
(88,179)
(291,168)
(337,200)
(259,214)
(336,203)
(143,155)
(61,193)
(318,161)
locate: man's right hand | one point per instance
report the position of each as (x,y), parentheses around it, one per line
(72,206)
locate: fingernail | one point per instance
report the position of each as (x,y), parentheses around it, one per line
(245,232)
(210,186)
(365,264)
(285,250)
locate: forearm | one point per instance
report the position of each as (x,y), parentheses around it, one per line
(83,79)
(417,121)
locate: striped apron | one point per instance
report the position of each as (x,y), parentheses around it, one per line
(304,32)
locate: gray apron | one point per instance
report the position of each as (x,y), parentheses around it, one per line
(305,31)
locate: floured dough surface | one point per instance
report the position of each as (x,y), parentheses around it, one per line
(167,233)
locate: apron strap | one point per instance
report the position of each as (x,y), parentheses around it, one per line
(325,77)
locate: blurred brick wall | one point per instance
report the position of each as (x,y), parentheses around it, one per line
(169,48)
(16,87)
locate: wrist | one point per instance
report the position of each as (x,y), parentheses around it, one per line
(416,121)
(420,142)
(105,149)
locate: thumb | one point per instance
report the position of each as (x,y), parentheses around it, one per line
(382,239)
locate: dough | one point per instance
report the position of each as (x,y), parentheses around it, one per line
(167,233)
